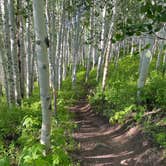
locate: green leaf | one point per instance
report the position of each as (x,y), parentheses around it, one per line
(162,17)
(42,162)
(4,162)
(55,160)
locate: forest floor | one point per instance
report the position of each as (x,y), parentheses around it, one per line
(102,144)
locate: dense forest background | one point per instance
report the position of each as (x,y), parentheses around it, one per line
(54,53)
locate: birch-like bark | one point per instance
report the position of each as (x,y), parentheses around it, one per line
(4,62)
(88,62)
(21,50)
(117,55)
(76,48)
(83,55)
(33,67)
(93,34)
(164,64)
(146,58)
(60,69)
(90,56)
(140,47)
(72,38)
(29,71)
(50,15)
(59,47)
(101,43)
(74,60)
(2,54)
(10,74)
(161,43)
(124,47)
(12,26)
(132,46)
(109,45)
(140,55)
(158,62)
(65,57)
(43,69)
(22,58)
(144,69)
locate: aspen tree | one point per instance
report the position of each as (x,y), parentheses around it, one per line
(109,44)
(52,36)
(100,59)
(4,62)
(76,21)
(65,56)
(43,69)
(164,64)
(9,60)
(21,47)
(161,43)
(2,55)
(159,56)
(144,67)
(59,47)
(90,53)
(12,26)
(29,55)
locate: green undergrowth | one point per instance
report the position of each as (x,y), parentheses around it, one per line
(71,93)
(119,100)
(20,129)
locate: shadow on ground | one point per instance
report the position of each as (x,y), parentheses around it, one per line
(100,144)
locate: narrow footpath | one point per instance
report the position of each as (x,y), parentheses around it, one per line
(100,144)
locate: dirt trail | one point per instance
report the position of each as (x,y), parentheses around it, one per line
(103,145)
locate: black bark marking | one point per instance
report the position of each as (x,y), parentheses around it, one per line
(47,42)
(38,42)
(44,67)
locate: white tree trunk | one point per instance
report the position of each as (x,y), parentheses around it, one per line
(3,57)
(4,62)
(132,46)
(65,57)
(76,48)
(88,62)
(14,50)
(109,45)
(117,55)
(28,55)
(59,48)
(164,63)
(51,30)
(146,59)
(101,43)
(10,74)
(90,53)
(158,62)
(43,69)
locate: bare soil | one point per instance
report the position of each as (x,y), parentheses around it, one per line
(102,144)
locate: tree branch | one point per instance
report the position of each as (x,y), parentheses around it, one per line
(161,38)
